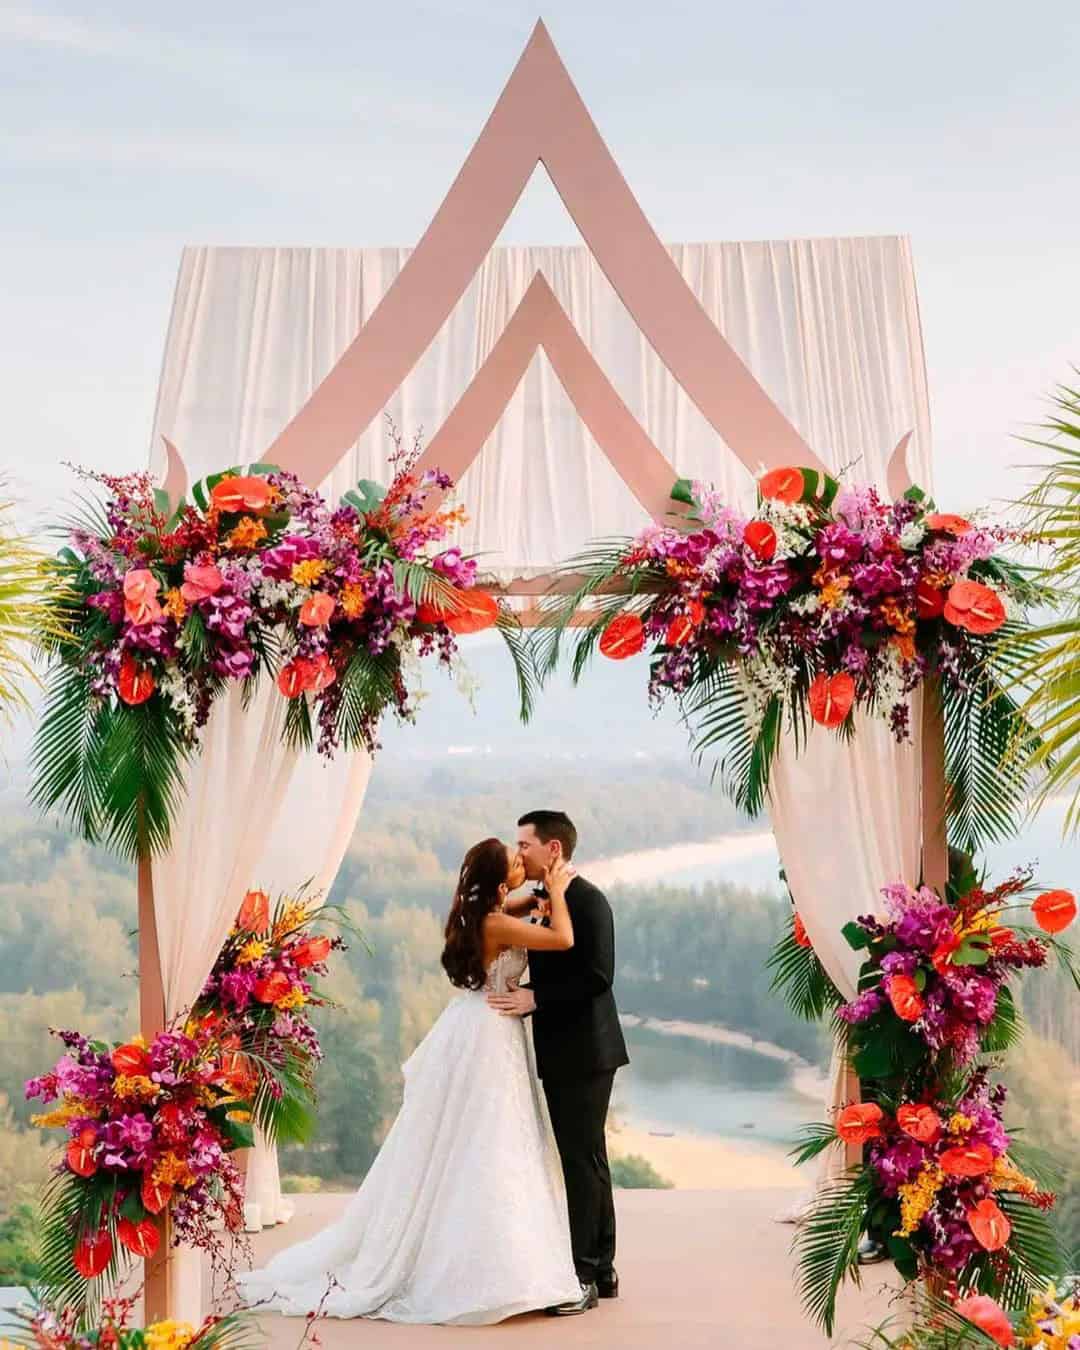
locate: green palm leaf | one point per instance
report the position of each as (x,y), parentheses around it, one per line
(523,658)
(68,1210)
(143,757)
(826,1245)
(800,978)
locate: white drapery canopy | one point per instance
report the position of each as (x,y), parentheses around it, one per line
(829,327)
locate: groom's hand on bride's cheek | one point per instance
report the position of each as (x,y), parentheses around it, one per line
(514,1003)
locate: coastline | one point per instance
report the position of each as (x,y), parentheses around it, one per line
(654,864)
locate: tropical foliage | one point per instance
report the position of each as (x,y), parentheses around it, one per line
(825,601)
(955,1198)
(22,611)
(43,1328)
(156,609)
(1051,1321)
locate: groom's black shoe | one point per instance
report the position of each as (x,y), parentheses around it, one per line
(607,1285)
(589,1299)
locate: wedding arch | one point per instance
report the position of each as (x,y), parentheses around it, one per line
(289,357)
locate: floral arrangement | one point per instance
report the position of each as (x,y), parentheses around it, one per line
(45,1329)
(258,999)
(943,1185)
(825,600)
(159,609)
(150,1128)
(1050,1321)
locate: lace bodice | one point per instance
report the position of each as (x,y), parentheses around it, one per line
(508,965)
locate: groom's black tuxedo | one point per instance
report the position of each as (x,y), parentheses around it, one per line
(579,1045)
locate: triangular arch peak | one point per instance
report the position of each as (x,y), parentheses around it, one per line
(539,118)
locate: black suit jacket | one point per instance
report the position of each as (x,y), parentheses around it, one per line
(576,1028)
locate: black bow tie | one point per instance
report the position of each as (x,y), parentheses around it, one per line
(540,892)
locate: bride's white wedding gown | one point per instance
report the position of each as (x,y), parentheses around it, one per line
(462,1217)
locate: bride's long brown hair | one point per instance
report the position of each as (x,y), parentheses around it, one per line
(485,869)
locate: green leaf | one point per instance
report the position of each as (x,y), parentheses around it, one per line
(800,978)
(973,951)
(818,487)
(262,469)
(920,979)
(523,658)
(826,1245)
(162,504)
(856,938)
(367,496)
(240,1132)
(683,491)
(133,1207)
(915,494)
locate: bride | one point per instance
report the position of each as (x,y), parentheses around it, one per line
(462,1217)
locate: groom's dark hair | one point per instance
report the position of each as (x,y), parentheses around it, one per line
(551,825)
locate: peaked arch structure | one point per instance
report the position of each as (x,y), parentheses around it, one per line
(539,118)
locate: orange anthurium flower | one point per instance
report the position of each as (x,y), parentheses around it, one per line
(905,998)
(760,537)
(830,698)
(920,1122)
(254,916)
(948,523)
(967,1160)
(781,485)
(857,1123)
(943,951)
(799,932)
(131,1060)
(319,674)
(135,683)
(988,1316)
(990,1226)
(242,494)
(624,636)
(142,1238)
(292,678)
(477,611)
(92,1254)
(275,986)
(140,597)
(154,1196)
(311,951)
(317,610)
(80,1156)
(681,629)
(1054,910)
(200,582)
(974,607)
(929,600)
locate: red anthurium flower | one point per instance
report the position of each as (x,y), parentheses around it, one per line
(830,698)
(799,932)
(319,674)
(130,1060)
(154,1197)
(237,1073)
(140,597)
(967,1160)
(781,485)
(905,998)
(988,1316)
(311,951)
(92,1254)
(292,678)
(142,1238)
(974,607)
(317,610)
(477,611)
(943,951)
(1001,937)
(989,1224)
(929,600)
(135,683)
(949,524)
(254,916)
(80,1156)
(920,1122)
(860,1122)
(624,636)
(1054,910)
(200,582)
(760,537)
(275,986)
(242,494)
(680,631)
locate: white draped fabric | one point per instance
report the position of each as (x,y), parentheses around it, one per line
(829,327)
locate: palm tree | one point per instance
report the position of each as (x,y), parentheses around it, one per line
(1052,678)
(22,612)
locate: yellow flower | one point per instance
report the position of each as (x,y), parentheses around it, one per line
(917,1196)
(960,1124)
(832,594)
(295,914)
(352,600)
(241,1116)
(1006,1176)
(308,572)
(135,1087)
(251,951)
(246,533)
(68,1110)
(168,1335)
(175,605)
(295,998)
(170,1170)
(897,617)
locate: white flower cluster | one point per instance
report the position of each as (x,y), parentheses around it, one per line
(761,679)
(805,604)
(889,680)
(789,520)
(173,687)
(911,536)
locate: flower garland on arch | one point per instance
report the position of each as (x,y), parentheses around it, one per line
(950,1193)
(825,600)
(158,609)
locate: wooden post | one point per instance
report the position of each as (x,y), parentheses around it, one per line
(158,1284)
(935,839)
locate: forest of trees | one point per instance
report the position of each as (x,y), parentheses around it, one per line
(68,954)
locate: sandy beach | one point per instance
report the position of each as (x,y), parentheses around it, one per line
(703,1162)
(654,864)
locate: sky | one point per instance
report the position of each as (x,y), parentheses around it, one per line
(129,130)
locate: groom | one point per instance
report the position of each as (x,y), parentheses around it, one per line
(579,1045)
